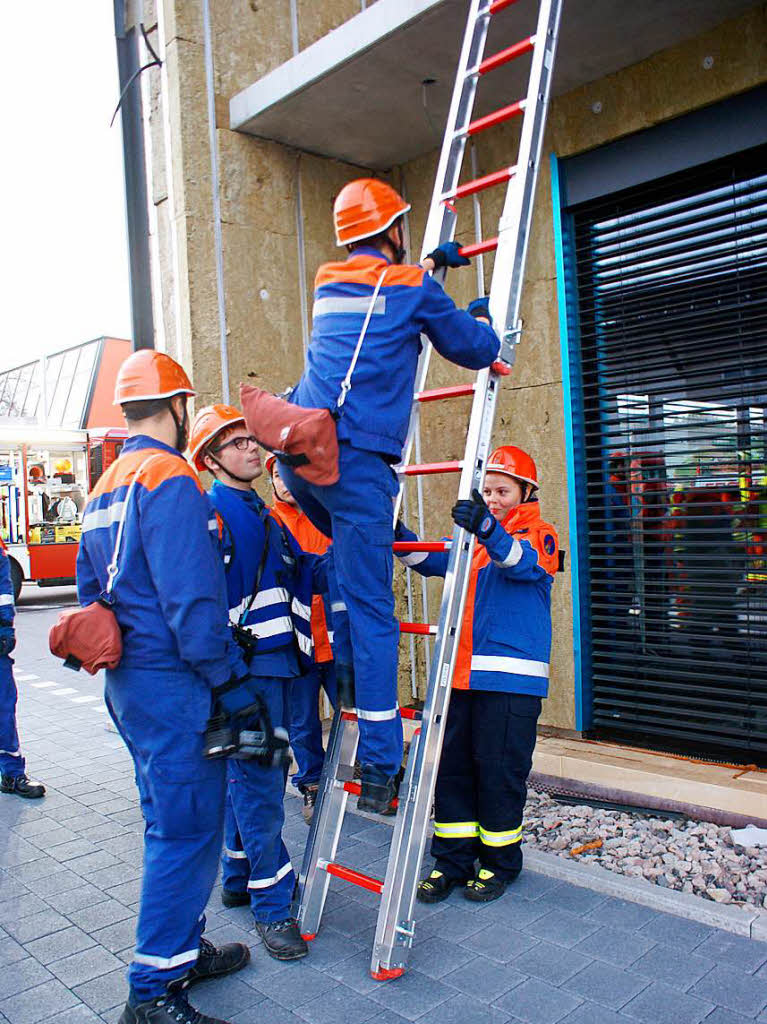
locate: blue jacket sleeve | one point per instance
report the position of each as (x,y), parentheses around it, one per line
(426,563)
(6,590)
(88,586)
(188,574)
(517,559)
(456,334)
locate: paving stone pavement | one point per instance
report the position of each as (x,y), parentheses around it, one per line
(547,952)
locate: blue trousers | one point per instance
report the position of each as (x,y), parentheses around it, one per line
(255,859)
(161,717)
(305,724)
(357,513)
(11,761)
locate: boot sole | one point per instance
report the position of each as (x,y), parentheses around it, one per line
(24,796)
(439,896)
(474,897)
(275,955)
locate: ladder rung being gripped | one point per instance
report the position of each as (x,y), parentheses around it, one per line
(419,628)
(497,117)
(355,877)
(476,248)
(429,468)
(504,56)
(453,391)
(480,184)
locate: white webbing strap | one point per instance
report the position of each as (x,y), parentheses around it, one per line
(113,568)
(346,384)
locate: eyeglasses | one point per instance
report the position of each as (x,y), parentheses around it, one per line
(240,443)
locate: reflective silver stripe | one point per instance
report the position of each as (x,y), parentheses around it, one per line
(338,606)
(514,835)
(165,963)
(98,518)
(331,636)
(235,854)
(6,598)
(377,716)
(264,883)
(282,624)
(412,558)
(348,304)
(213,524)
(509,666)
(305,643)
(303,611)
(274,595)
(513,556)
(12,753)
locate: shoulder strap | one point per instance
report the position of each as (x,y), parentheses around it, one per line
(113,568)
(260,569)
(346,384)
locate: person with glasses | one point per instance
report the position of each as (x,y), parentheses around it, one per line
(269,586)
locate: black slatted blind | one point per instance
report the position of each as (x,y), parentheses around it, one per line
(672,304)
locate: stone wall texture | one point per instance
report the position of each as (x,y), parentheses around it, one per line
(259,182)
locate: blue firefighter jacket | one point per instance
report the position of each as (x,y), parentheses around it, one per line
(7,609)
(169,593)
(376,412)
(279,617)
(505,640)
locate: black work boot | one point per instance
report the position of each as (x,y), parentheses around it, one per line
(215,961)
(282,939)
(230,898)
(484,887)
(437,887)
(310,799)
(378,790)
(168,1009)
(20,785)
(345,685)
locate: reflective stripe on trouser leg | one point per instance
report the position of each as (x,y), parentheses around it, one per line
(182,800)
(256,795)
(235,869)
(456,830)
(11,761)
(503,740)
(305,723)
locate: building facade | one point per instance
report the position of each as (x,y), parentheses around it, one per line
(641,380)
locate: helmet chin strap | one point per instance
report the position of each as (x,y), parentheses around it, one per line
(182,427)
(242,479)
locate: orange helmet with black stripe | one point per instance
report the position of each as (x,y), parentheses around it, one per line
(364,208)
(146,375)
(514,462)
(209,422)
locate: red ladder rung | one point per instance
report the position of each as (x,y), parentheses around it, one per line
(419,628)
(454,391)
(355,877)
(355,787)
(500,5)
(411,713)
(404,546)
(504,56)
(480,184)
(497,117)
(429,468)
(476,248)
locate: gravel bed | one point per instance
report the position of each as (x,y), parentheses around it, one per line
(691,856)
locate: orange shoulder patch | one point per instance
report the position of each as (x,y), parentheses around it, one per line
(164,466)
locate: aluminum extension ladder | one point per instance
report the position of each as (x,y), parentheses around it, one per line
(395,927)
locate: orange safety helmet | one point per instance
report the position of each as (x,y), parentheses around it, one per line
(366,207)
(207,423)
(514,462)
(148,374)
(37,473)
(270,461)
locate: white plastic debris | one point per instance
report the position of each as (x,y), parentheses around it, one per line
(751,835)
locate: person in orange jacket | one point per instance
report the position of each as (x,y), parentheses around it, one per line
(305,725)
(501,675)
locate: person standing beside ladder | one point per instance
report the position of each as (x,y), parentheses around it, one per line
(369,313)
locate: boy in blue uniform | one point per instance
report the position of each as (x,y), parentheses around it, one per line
(13,778)
(170,603)
(269,587)
(403,302)
(501,675)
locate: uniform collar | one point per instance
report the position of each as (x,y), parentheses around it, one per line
(522,516)
(285,510)
(368,250)
(140,441)
(250,497)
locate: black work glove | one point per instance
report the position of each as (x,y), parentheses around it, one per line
(472,514)
(7,640)
(447,255)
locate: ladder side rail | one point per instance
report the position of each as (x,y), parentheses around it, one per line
(395,920)
(325,829)
(514,226)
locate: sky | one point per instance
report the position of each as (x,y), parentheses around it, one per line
(63,257)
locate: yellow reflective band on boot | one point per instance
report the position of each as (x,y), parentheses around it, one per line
(427,883)
(488,838)
(456,829)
